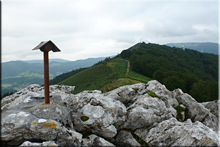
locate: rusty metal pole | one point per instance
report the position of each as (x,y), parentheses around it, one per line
(46,77)
(46,46)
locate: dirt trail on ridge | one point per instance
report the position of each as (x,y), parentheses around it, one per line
(128,67)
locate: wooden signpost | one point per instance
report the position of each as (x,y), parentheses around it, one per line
(46,46)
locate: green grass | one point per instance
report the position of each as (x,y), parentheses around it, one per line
(179,109)
(104,77)
(141,141)
(152,94)
(91,79)
(119,66)
(118,83)
(139,77)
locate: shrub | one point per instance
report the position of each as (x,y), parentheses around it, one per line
(179,109)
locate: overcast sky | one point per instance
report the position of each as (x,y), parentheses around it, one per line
(84,29)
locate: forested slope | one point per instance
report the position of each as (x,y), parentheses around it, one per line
(194,72)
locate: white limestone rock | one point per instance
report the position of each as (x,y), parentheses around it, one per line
(174,133)
(91,111)
(213,107)
(125,93)
(22,126)
(15,127)
(161,91)
(46,143)
(70,117)
(196,111)
(36,121)
(94,140)
(36,91)
(145,111)
(125,138)
(53,111)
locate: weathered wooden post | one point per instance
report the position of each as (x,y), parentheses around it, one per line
(46,46)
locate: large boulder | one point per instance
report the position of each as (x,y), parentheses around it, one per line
(18,127)
(46,143)
(125,93)
(25,117)
(174,133)
(196,111)
(145,111)
(161,91)
(96,113)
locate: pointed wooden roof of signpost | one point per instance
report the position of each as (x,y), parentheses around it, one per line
(46,46)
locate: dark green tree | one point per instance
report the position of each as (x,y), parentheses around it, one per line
(159,76)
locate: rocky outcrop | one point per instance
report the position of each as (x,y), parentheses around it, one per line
(213,107)
(93,112)
(47,143)
(196,111)
(36,91)
(132,115)
(174,133)
(145,111)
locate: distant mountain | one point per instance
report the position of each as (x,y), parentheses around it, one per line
(206,47)
(19,74)
(50,60)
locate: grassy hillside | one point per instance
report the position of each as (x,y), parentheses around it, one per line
(111,74)
(64,76)
(16,75)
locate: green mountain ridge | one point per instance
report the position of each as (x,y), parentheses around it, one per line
(194,72)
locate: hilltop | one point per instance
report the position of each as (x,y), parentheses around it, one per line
(187,69)
(175,67)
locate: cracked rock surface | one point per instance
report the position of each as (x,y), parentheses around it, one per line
(131,115)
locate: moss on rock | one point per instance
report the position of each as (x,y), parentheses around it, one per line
(152,94)
(84,118)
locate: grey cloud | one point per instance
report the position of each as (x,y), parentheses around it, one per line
(83,28)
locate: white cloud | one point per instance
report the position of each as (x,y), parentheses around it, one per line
(84,29)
